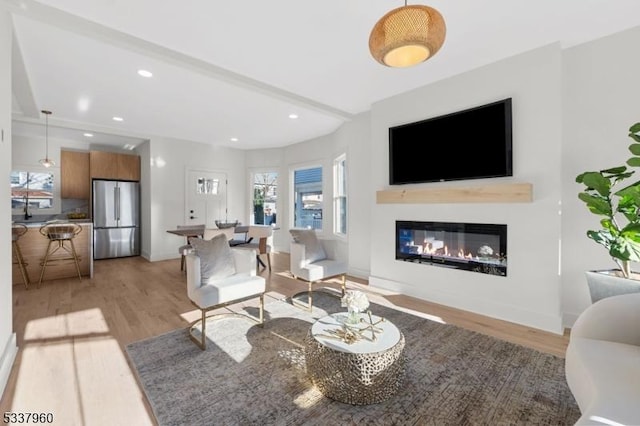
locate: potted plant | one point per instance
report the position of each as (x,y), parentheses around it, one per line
(606,194)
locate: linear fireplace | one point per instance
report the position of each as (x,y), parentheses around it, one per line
(477,247)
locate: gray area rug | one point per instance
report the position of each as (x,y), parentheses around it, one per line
(253,375)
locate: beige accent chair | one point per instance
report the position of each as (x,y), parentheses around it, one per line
(308,266)
(602,362)
(206,296)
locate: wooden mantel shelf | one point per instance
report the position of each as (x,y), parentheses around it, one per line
(497,193)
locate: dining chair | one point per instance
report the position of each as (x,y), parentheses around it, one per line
(210,233)
(258,238)
(262,236)
(240,235)
(186,248)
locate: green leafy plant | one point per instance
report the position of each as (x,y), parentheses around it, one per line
(620,233)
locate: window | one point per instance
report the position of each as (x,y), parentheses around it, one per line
(340,195)
(307,195)
(265,196)
(31,191)
(207,186)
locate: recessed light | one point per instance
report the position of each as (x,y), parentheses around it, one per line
(118,119)
(129,147)
(234,139)
(88,135)
(293,116)
(145,73)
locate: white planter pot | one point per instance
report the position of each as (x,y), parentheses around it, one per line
(606,283)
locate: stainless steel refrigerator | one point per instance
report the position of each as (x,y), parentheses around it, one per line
(116,219)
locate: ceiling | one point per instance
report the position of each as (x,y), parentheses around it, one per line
(238,69)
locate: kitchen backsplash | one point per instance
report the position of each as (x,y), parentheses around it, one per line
(69,205)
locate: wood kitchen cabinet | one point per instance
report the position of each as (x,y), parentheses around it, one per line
(111,165)
(128,167)
(74,175)
(104,165)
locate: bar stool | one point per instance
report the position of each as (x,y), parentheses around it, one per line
(17,231)
(58,234)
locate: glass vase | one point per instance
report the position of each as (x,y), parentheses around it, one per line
(353,316)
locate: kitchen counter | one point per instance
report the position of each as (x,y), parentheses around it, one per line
(34,246)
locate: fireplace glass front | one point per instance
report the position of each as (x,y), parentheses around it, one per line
(476,247)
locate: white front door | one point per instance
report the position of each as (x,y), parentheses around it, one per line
(206,199)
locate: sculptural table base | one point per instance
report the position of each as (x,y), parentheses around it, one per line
(359,377)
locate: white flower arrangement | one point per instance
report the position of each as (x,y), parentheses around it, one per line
(355,300)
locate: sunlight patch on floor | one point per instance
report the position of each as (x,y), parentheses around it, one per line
(429,317)
(384,297)
(237,347)
(191,316)
(89,321)
(46,379)
(605,421)
(72,367)
(108,393)
(308,398)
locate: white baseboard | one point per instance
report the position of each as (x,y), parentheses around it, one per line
(162,256)
(358,273)
(6,362)
(488,308)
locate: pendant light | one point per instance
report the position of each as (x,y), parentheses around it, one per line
(46,161)
(407,36)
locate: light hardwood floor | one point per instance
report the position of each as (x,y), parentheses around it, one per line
(71,335)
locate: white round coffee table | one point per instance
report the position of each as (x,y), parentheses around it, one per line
(363,372)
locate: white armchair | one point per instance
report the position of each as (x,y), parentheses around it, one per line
(213,294)
(312,264)
(602,363)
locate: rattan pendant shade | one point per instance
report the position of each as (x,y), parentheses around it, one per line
(407,36)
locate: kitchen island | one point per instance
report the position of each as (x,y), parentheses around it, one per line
(34,246)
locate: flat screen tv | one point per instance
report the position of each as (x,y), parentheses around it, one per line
(470,144)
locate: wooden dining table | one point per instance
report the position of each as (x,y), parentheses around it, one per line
(187,232)
(199,233)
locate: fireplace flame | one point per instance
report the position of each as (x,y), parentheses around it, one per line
(436,248)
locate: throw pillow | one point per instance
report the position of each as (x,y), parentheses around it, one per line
(216,258)
(312,247)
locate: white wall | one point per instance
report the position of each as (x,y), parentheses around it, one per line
(354,138)
(7,337)
(530,294)
(144,150)
(601,93)
(169,159)
(351,138)
(28,150)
